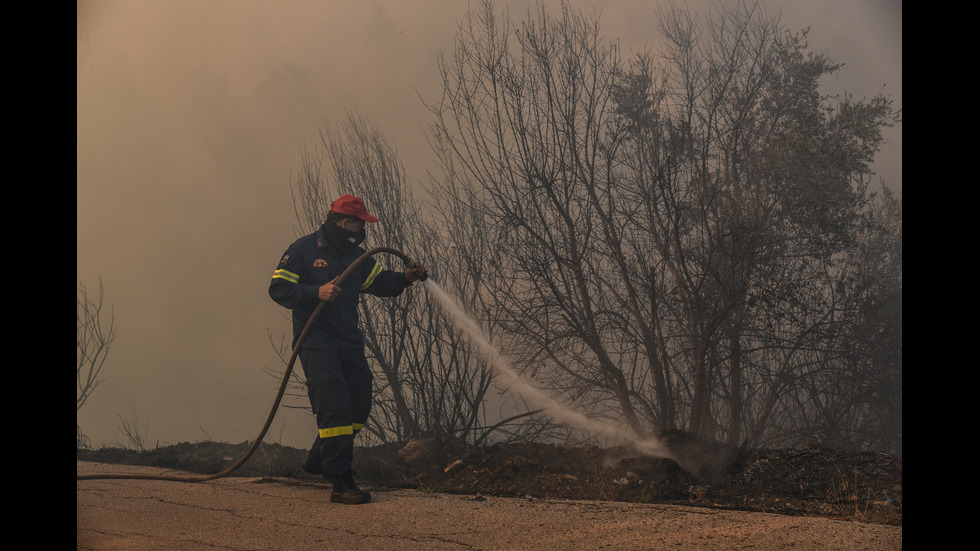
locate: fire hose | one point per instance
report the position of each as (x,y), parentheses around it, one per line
(409,263)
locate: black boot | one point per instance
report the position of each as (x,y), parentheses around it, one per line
(346,491)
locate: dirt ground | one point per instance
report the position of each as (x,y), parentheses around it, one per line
(816,481)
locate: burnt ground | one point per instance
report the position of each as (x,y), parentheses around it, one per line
(859,486)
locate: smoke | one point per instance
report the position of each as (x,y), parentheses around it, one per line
(191,122)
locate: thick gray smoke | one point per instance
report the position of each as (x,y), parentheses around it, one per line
(192,118)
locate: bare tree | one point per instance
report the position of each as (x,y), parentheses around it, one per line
(523,111)
(134,428)
(93,339)
(674,228)
(94,336)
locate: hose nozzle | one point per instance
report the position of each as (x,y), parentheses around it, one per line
(412,264)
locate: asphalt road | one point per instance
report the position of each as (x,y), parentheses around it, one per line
(255,514)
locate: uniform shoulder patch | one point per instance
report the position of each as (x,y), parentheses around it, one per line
(284,259)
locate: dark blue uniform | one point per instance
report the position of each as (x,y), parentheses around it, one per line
(338,377)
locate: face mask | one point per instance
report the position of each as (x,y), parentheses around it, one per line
(355,238)
(341,239)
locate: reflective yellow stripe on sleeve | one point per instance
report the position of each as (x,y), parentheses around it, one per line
(374,273)
(287,275)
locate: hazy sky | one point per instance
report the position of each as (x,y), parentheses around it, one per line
(192,117)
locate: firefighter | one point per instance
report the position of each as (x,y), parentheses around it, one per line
(338,377)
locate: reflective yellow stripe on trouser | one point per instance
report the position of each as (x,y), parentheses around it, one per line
(330,432)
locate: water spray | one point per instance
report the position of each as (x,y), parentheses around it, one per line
(646,445)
